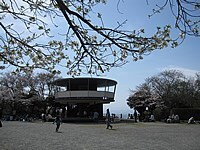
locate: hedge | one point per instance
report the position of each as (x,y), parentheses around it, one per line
(186,113)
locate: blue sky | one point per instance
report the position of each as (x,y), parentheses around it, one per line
(184,57)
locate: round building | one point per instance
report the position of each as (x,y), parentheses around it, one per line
(81,97)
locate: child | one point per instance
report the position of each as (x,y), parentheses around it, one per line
(58,122)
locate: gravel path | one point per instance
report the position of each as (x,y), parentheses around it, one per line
(127,136)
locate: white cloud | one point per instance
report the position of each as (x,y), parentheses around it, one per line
(186,71)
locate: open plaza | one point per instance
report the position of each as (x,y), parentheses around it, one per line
(16,135)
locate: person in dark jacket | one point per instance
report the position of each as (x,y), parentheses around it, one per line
(108,119)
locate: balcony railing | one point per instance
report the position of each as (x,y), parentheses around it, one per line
(84,94)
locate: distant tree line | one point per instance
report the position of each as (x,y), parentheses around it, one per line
(25,93)
(165,91)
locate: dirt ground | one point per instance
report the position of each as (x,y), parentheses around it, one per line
(124,136)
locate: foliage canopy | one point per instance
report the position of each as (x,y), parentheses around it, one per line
(169,89)
(30,39)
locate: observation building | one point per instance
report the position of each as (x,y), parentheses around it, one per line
(83,96)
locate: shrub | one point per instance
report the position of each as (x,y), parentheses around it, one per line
(186,113)
(157,114)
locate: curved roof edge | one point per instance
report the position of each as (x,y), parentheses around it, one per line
(99,81)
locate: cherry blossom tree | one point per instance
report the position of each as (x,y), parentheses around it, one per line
(169,89)
(164,92)
(25,92)
(30,37)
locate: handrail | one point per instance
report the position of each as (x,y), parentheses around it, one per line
(84,94)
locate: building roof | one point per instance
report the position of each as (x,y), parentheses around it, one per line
(100,82)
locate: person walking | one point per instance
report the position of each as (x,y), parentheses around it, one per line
(1,124)
(135,116)
(108,119)
(58,122)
